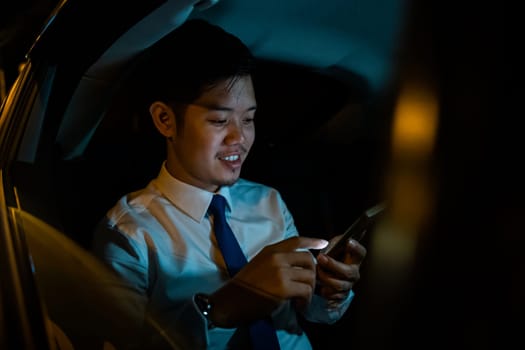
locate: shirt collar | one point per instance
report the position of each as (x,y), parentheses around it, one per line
(191,200)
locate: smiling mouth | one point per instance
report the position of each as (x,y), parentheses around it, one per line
(231,158)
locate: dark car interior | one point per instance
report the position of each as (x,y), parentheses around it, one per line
(101,145)
(324,141)
(321,141)
(321,138)
(297,150)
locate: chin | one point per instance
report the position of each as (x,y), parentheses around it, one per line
(230,180)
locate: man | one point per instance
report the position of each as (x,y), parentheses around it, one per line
(161,240)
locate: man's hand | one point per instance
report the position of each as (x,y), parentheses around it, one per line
(337,278)
(279,272)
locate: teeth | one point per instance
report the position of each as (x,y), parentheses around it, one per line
(231,158)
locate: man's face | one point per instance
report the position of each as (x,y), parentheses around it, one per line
(216,137)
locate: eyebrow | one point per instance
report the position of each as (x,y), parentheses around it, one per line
(215,107)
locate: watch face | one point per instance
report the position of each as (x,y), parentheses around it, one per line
(203,303)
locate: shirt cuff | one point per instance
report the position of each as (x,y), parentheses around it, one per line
(322,310)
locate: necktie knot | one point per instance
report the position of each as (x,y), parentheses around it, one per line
(217,205)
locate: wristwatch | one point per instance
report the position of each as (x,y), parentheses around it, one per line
(204,305)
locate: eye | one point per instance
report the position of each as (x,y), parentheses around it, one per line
(248,120)
(218,121)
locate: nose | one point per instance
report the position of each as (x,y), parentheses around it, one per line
(235,133)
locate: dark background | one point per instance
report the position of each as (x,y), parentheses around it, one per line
(469,284)
(19,21)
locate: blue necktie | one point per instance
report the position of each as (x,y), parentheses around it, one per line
(262,332)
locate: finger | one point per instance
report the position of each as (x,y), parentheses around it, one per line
(337,284)
(296,260)
(299,259)
(292,283)
(300,275)
(356,250)
(330,268)
(300,243)
(300,287)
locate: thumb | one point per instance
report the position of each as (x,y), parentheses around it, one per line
(300,243)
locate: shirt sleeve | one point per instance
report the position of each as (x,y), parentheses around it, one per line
(127,258)
(123,256)
(129,287)
(289,223)
(321,310)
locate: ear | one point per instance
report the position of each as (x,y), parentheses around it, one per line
(163,117)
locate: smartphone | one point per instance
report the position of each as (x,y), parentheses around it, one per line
(355,231)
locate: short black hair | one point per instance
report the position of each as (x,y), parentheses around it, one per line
(193,58)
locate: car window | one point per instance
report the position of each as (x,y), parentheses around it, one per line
(30,142)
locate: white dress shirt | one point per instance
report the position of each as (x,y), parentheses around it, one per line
(161,242)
